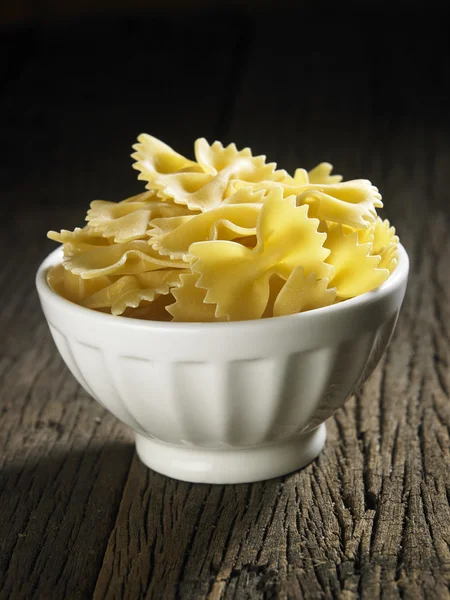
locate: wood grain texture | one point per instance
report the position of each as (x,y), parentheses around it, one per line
(80,515)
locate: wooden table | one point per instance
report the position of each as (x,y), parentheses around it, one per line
(80,516)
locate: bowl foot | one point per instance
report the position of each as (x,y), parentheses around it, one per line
(231,465)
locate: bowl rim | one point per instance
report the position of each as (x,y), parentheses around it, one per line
(397,278)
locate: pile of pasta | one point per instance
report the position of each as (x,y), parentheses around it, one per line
(225,237)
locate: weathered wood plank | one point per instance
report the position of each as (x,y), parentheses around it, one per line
(64,461)
(370,517)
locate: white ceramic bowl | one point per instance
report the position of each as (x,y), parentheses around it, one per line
(226,402)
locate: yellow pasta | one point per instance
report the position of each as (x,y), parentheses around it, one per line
(153,311)
(130,291)
(356,271)
(225,237)
(203,190)
(78,240)
(384,243)
(73,287)
(124,229)
(189,305)
(153,157)
(128,220)
(241,164)
(102,211)
(322,174)
(352,203)
(246,194)
(318,175)
(301,293)
(119,259)
(173,236)
(237,278)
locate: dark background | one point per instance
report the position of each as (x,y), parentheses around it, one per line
(301,83)
(362,85)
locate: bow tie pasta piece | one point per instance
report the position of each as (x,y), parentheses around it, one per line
(204,190)
(124,229)
(380,234)
(232,278)
(241,164)
(82,235)
(73,287)
(105,297)
(356,270)
(131,291)
(102,211)
(171,175)
(214,158)
(151,286)
(198,191)
(154,311)
(78,240)
(189,305)
(288,237)
(301,293)
(237,278)
(173,236)
(119,259)
(154,158)
(389,257)
(352,203)
(128,220)
(384,243)
(322,174)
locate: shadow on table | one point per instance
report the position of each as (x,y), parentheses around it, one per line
(74,522)
(57,513)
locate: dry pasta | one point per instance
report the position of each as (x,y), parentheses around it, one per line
(203,186)
(301,293)
(190,305)
(134,290)
(225,236)
(356,270)
(174,236)
(237,278)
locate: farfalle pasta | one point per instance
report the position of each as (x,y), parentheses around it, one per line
(200,186)
(225,237)
(173,236)
(237,278)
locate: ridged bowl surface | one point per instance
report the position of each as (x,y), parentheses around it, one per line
(226,402)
